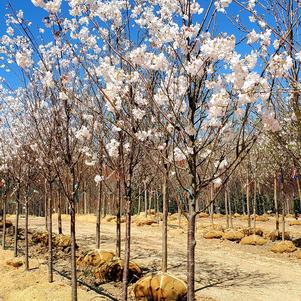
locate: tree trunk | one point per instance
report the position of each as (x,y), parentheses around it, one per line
(16,227)
(46,204)
(145,199)
(73,250)
(50,251)
(98,216)
(248,201)
(59,216)
(164,222)
(179,216)
(191,243)
(139,201)
(127,250)
(105,205)
(276,203)
(26,234)
(226,206)
(4,222)
(299,189)
(254,205)
(229,206)
(118,224)
(85,197)
(211,204)
(150,198)
(243,204)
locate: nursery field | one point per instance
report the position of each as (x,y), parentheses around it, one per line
(225,270)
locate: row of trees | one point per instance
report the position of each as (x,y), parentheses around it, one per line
(114,100)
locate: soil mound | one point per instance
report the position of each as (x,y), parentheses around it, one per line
(160,287)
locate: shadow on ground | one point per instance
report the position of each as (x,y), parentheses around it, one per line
(215,275)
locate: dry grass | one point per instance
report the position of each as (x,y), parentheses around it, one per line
(213,234)
(295,223)
(203,215)
(19,285)
(8,224)
(162,286)
(277,235)
(254,240)
(233,235)
(16,263)
(250,231)
(217,215)
(283,247)
(261,218)
(94,258)
(298,254)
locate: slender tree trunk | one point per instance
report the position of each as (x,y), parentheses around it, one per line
(26,234)
(118,224)
(139,201)
(4,222)
(299,189)
(98,216)
(229,206)
(127,249)
(226,207)
(145,199)
(179,216)
(150,199)
(46,204)
(283,222)
(191,243)
(164,222)
(59,216)
(283,205)
(248,201)
(105,204)
(157,208)
(254,204)
(276,203)
(17,226)
(243,204)
(211,204)
(50,247)
(73,250)
(85,197)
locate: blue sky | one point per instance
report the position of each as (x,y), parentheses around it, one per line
(36,15)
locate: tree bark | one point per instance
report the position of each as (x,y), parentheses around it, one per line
(164,222)
(191,243)
(226,207)
(118,224)
(26,234)
(4,222)
(59,216)
(211,203)
(299,189)
(98,216)
(46,204)
(248,201)
(50,251)
(127,249)
(255,204)
(145,199)
(276,203)
(229,206)
(139,201)
(17,224)
(73,250)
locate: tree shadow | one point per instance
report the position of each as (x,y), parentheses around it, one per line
(217,275)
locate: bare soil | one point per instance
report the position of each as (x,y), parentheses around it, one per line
(225,271)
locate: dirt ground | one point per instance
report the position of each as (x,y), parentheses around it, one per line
(225,271)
